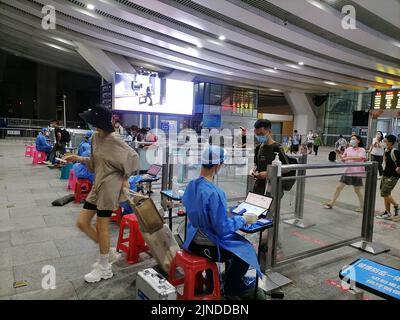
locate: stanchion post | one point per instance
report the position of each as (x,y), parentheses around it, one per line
(368,214)
(273,280)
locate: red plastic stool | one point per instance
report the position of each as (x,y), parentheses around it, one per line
(39,157)
(135,239)
(117,216)
(72,180)
(193,267)
(29,150)
(82,189)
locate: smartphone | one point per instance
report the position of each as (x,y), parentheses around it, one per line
(61,160)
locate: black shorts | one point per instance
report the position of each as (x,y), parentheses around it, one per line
(352,181)
(100,213)
(295,147)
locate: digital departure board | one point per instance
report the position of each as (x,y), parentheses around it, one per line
(387,99)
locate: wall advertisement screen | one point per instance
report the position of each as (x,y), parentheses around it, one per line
(142,93)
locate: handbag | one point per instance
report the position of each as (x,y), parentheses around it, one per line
(148,216)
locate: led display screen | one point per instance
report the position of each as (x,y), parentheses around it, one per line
(386,99)
(142,93)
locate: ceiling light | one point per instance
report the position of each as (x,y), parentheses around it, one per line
(270,70)
(221,37)
(397,44)
(276,90)
(275,68)
(90,6)
(301,63)
(293,66)
(199,46)
(331,83)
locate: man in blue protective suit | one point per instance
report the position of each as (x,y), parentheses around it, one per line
(81,169)
(41,142)
(212,233)
(85,144)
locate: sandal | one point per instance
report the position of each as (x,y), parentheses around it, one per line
(327,206)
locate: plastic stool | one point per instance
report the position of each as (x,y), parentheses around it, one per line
(65,171)
(29,150)
(135,239)
(193,267)
(39,157)
(117,216)
(82,189)
(71,180)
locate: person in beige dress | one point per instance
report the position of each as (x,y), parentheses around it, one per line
(113,161)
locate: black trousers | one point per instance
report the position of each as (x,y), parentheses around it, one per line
(235,268)
(316,149)
(378,159)
(60,147)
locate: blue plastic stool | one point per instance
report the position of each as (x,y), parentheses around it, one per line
(65,171)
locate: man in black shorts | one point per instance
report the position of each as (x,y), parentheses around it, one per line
(391,175)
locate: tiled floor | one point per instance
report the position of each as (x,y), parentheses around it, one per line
(34,234)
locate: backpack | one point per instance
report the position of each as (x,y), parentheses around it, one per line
(332,156)
(288,184)
(65,136)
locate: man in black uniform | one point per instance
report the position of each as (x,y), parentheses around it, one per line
(264,155)
(59,144)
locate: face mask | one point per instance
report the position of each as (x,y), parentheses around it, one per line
(353,143)
(221,171)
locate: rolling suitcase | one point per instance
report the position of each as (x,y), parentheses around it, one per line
(150,285)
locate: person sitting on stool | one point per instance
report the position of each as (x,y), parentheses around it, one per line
(41,143)
(211,233)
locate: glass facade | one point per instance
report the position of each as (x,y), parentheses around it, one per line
(339,113)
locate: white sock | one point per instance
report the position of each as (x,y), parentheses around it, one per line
(104,260)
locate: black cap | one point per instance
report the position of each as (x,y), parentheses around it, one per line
(99,117)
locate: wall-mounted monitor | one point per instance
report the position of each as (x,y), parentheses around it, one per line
(142,93)
(136,92)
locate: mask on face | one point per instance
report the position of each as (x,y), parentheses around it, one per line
(221,171)
(261,139)
(353,143)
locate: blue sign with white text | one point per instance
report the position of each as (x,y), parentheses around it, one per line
(379,279)
(211,121)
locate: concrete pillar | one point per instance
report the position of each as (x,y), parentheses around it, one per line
(46,92)
(304,116)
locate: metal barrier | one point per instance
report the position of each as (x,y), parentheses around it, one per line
(361,239)
(298,220)
(28,134)
(39,123)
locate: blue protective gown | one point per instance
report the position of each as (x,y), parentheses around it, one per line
(81,169)
(83,147)
(41,143)
(206,208)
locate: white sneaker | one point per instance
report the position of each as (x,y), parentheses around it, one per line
(386,215)
(98,274)
(113,257)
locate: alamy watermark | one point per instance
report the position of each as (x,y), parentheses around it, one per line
(49,19)
(349,20)
(49,280)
